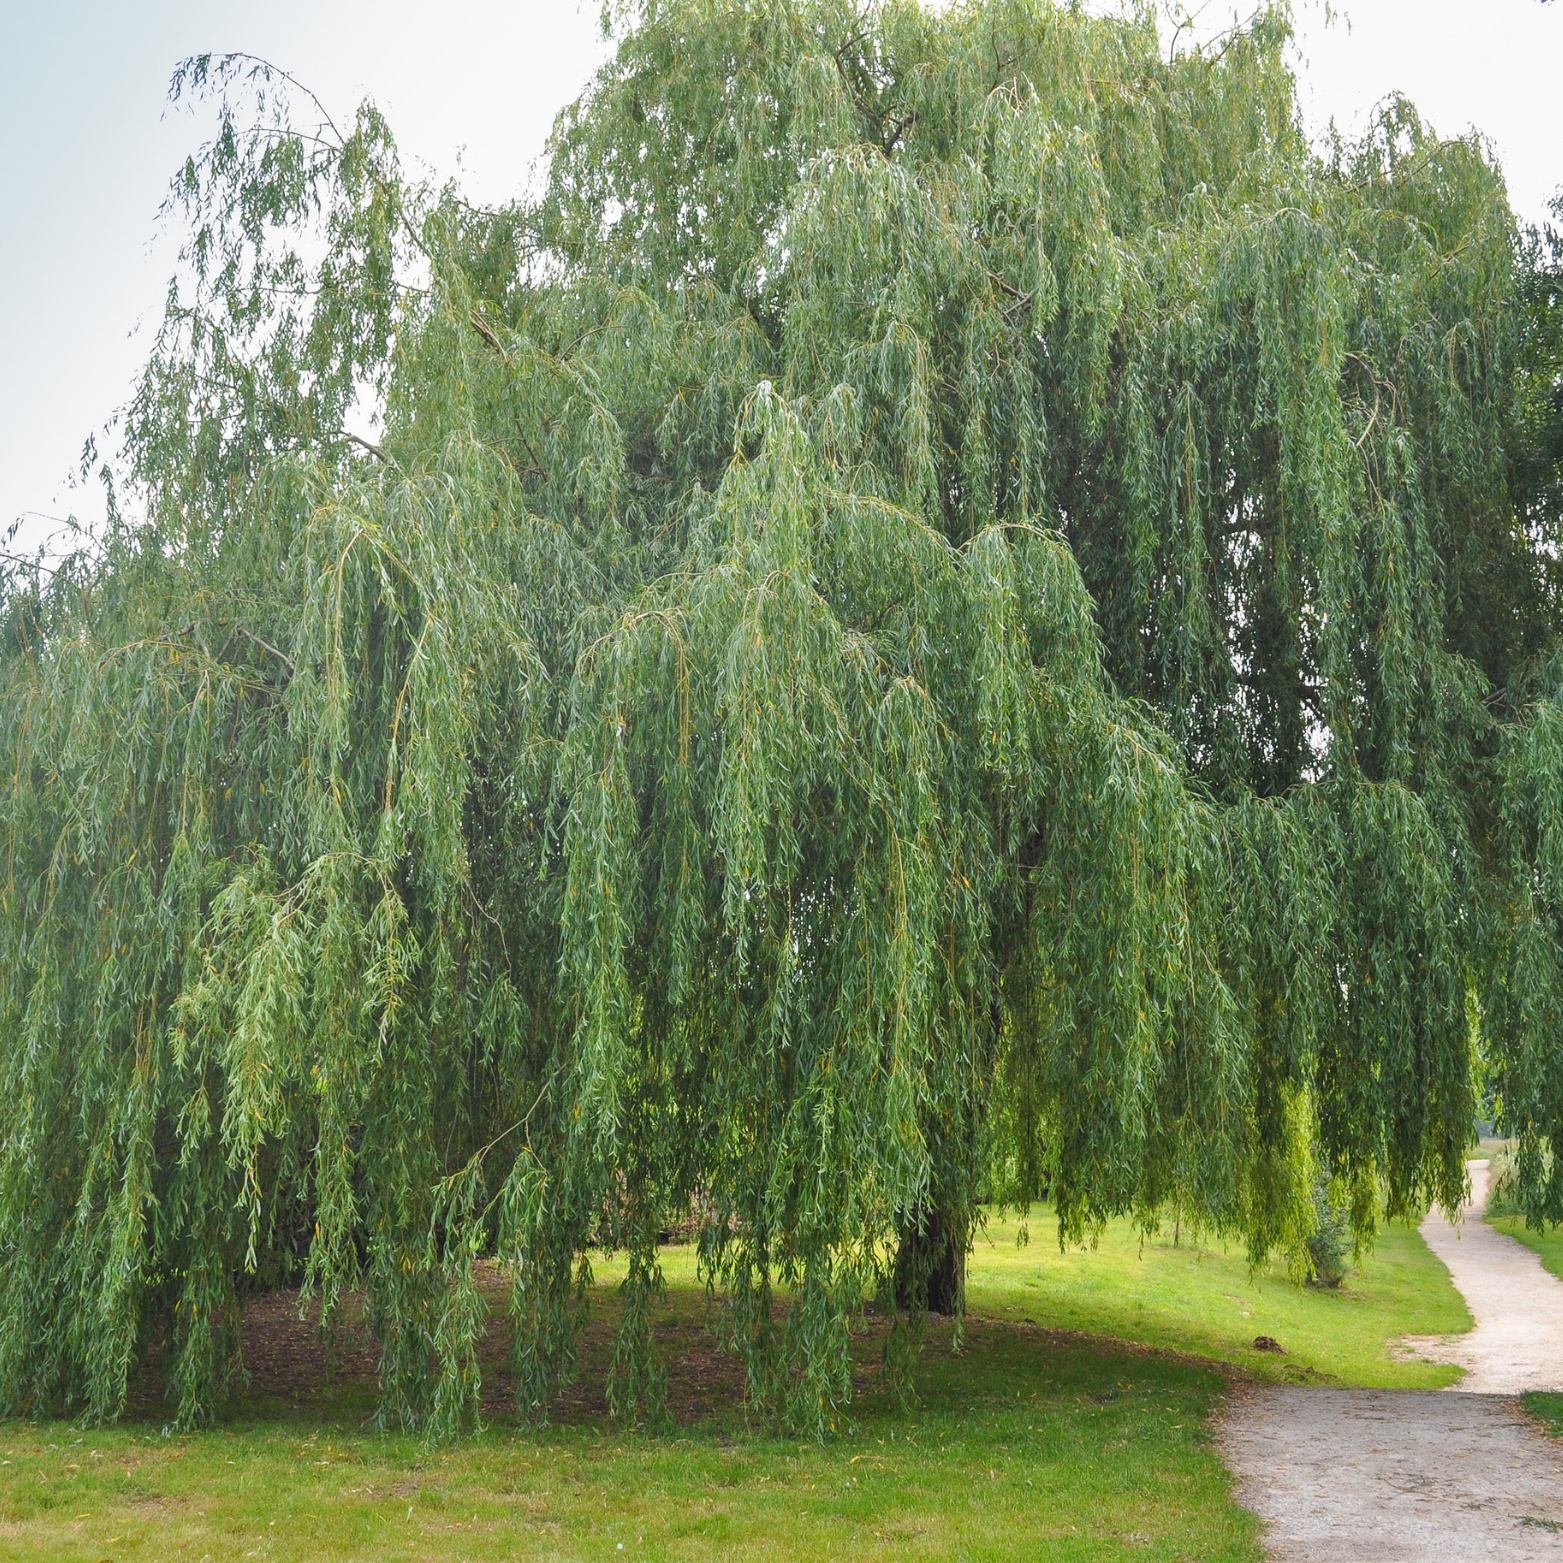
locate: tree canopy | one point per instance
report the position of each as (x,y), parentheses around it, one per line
(947,610)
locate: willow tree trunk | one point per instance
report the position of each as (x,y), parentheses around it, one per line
(930,1265)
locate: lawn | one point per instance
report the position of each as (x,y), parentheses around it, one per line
(1184,1297)
(1035,1442)
(1070,1452)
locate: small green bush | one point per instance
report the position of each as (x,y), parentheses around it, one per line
(1503,1185)
(1329,1242)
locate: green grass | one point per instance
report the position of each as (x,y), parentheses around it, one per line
(1206,1301)
(1032,1443)
(1062,1450)
(1546,1406)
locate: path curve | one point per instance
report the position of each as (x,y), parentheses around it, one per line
(1380,1476)
(1517,1304)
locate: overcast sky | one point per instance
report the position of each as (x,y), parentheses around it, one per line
(89,143)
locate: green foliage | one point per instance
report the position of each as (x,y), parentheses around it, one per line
(1503,1186)
(1328,1246)
(924,616)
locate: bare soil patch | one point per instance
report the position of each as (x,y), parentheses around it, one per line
(290,1362)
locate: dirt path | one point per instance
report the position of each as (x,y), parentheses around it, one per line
(1360,1476)
(1518,1306)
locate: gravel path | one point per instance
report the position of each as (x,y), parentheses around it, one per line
(1359,1476)
(1518,1306)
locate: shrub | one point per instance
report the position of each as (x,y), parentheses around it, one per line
(1329,1242)
(1503,1185)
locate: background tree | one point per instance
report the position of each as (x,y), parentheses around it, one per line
(1523,991)
(923,623)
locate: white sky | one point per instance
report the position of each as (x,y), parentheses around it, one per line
(89,145)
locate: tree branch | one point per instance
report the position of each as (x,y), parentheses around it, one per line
(486,331)
(266,645)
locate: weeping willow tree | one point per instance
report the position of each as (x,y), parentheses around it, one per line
(941,614)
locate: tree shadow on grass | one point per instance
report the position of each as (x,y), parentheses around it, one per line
(294,1372)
